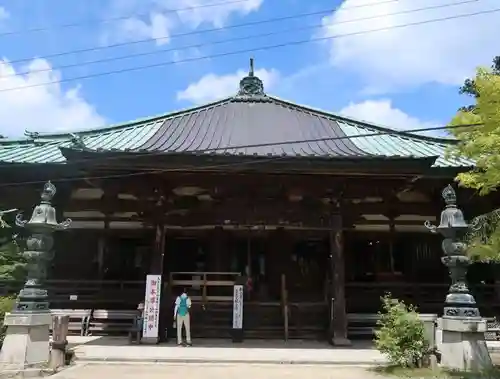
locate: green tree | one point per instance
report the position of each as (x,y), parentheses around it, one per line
(12,263)
(481,144)
(469,86)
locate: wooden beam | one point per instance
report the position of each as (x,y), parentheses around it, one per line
(231,184)
(338,325)
(279,207)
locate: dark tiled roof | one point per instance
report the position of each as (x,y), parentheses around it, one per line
(260,126)
(251,124)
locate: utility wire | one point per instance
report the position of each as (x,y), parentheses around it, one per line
(244,51)
(203,31)
(118,18)
(408,133)
(267,34)
(147,171)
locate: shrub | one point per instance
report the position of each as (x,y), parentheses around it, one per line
(6,304)
(400,335)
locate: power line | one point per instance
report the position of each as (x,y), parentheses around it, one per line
(119,18)
(146,171)
(268,34)
(244,51)
(203,31)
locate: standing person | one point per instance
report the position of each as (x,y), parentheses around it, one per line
(181,316)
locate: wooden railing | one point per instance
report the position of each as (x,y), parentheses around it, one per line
(428,297)
(205,286)
(84,294)
(215,286)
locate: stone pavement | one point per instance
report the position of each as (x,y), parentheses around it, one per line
(117,349)
(108,349)
(212,371)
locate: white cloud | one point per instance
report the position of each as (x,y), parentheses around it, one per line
(382,112)
(43,108)
(211,86)
(162,20)
(4,15)
(156,28)
(216,15)
(185,54)
(442,52)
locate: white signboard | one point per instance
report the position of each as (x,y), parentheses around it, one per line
(238,307)
(151,306)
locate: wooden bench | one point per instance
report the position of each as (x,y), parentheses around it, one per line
(135,331)
(362,324)
(79,319)
(113,321)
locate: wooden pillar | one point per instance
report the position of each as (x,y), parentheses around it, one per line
(338,324)
(249,255)
(156,268)
(278,256)
(101,252)
(218,257)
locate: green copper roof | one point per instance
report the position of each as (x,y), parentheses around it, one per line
(46,149)
(401,144)
(250,123)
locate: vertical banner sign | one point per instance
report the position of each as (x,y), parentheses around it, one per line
(237,306)
(152,306)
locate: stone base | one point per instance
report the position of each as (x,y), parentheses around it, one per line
(237,335)
(26,343)
(341,341)
(150,340)
(26,373)
(463,346)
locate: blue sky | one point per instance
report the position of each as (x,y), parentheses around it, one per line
(402,77)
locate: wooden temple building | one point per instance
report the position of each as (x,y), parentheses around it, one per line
(324,213)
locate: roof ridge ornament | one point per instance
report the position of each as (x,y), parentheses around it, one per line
(251,71)
(251,86)
(31,135)
(77,141)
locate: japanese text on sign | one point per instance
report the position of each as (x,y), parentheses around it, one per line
(238,307)
(152,306)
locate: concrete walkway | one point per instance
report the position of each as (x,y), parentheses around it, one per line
(212,371)
(108,349)
(117,349)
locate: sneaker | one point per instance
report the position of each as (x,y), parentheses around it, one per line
(189,344)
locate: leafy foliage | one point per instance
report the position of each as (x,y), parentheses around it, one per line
(12,266)
(483,241)
(12,263)
(401,334)
(6,304)
(469,86)
(481,143)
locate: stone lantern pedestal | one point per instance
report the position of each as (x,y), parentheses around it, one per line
(26,348)
(26,344)
(462,344)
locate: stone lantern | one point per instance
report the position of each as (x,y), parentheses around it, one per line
(26,343)
(463,346)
